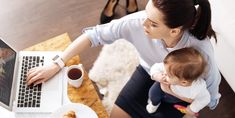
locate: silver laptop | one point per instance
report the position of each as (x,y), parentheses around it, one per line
(15,95)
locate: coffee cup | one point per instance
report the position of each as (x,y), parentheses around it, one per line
(75,75)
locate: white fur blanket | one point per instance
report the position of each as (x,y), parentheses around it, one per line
(113,68)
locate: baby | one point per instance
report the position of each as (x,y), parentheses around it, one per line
(179,75)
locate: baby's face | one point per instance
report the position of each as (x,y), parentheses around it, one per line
(172,80)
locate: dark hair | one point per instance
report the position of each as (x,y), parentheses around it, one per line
(184,13)
(185,63)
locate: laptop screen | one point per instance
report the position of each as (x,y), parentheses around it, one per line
(7,65)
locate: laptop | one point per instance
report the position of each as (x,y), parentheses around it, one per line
(15,95)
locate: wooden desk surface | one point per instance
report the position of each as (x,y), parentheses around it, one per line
(85,94)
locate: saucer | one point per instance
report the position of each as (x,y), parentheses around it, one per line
(81,110)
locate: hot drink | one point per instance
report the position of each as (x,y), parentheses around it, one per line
(74,73)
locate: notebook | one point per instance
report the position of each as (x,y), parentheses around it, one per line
(15,95)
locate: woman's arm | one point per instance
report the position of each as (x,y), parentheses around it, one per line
(41,74)
(78,45)
(166,88)
(92,37)
(183,98)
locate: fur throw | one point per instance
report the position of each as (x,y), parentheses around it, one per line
(113,68)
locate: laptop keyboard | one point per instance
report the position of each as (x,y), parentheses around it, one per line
(29,96)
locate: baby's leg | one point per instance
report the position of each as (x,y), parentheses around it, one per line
(155,96)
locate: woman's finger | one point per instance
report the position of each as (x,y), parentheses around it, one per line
(32,70)
(34,78)
(38,82)
(31,74)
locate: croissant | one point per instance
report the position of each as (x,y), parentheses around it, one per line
(70,114)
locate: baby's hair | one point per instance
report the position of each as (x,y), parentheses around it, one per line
(185,63)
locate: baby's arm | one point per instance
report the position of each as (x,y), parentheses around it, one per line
(201,100)
(160,77)
(157,73)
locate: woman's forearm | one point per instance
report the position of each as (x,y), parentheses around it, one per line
(77,46)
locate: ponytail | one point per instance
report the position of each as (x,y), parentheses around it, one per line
(183,13)
(202,23)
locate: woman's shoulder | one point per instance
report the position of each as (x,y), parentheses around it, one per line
(195,41)
(204,46)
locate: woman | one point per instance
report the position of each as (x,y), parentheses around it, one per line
(164,26)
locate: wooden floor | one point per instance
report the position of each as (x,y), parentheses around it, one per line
(27,22)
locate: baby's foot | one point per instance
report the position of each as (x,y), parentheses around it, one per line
(151,108)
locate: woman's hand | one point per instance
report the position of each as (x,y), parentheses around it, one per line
(39,75)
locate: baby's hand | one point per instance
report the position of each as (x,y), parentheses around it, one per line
(160,77)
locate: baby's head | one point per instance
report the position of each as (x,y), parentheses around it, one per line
(183,66)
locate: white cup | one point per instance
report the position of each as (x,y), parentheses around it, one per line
(75,74)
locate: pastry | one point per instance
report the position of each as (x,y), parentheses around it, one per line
(69,114)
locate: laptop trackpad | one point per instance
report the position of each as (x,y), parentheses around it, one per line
(53,84)
(52,92)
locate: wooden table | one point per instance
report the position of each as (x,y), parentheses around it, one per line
(86,94)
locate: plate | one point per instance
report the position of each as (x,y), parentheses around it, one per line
(81,110)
